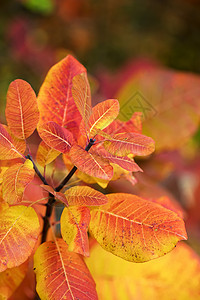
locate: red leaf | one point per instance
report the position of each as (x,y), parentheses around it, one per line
(91,164)
(22,113)
(55,99)
(56,137)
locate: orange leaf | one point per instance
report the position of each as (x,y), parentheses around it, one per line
(61,274)
(10,279)
(10,147)
(126,143)
(74,225)
(136,229)
(91,164)
(45,154)
(15,179)
(55,99)
(19,230)
(58,195)
(85,196)
(124,162)
(82,95)
(102,115)
(173,276)
(22,113)
(55,136)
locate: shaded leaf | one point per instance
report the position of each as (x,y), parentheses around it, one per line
(55,99)
(173,276)
(10,147)
(56,137)
(102,115)
(136,229)
(74,226)
(15,179)
(91,164)
(61,274)
(19,230)
(22,113)
(45,154)
(85,196)
(130,143)
(124,162)
(58,195)
(82,95)
(10,279)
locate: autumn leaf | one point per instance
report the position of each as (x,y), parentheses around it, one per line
(15,179)
(130,143)
(22,113)
(102,115)
(45,154)
(19,230)
(91,164)
(55,99)
(58,195)
(136,229)
(82,95)
(85,196)
(61,274)
(55,136)
(10,279)
(74,225)
(10,147)
(173,276)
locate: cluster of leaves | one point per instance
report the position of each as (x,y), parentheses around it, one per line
(97,148)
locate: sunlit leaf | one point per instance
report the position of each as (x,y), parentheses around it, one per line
(55,136)
(91,164)
(15,179)
(173,276)
(22,113)
(61,274)
(45,154)
(10,279)
(10,147)
(102,115)
(136,229)
(55,99)
(130,143)
(19,230)
(85,196)
(82,95)
(74,225)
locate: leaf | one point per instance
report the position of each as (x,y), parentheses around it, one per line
(136,229)
(102,115)
(10,279)
(10,147)
(85,196)
(126,143)
(124,162)
(173,276)
(91,164)
(55,99)
(15,179)
(82,95)
(56,137)
(74,224)
(19,230)
(22,113)
(61,274)
(58,195)
(45,154)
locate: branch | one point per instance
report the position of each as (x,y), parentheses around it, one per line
(36,169)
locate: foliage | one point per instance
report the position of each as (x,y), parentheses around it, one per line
(96,147)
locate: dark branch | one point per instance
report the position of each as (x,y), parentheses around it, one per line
(36,169)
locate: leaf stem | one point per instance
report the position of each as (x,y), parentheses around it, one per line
(36,169)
